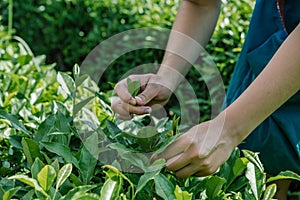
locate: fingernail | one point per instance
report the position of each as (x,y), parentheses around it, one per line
(132,101)
(147,110)
(139,99)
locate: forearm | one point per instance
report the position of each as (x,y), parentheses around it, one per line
(193,27)
(274,86)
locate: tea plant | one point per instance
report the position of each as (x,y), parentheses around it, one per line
(60,140)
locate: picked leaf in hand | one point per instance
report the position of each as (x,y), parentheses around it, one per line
(133,87)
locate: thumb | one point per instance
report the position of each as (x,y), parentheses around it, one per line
(146,96)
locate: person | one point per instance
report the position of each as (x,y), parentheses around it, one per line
(262,106)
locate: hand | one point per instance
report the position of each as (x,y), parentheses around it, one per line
(153,91)
(200,151)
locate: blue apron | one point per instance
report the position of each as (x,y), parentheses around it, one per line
(277,139)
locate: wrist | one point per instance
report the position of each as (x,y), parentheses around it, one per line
(169,77)
(232,129)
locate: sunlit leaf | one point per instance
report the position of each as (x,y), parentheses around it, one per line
(182,195)
(14,122)
(46,177)
(63,174)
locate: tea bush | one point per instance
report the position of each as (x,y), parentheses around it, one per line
(66,31)
(60,140)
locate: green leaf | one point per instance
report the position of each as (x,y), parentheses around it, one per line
(63,174)
(76,71)
(55,165)
(253,157)
(214,186)
(146,138)
(81,104)
(182,195)
(239,166)
(28,195)
(1,191)
(85,196)
(10,193)
(256,180)
(66,83)
(61,150)
(144,179)
(285,175)
(133,87)
(31,182)
(82,189)
(112,128)
(14,122)
(36,167)
(87,164)
(270,192)
(111,188)
(164,187)
(31,150)
(81,79)
(46,177)
(139,160)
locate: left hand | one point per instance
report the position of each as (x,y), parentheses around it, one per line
(200,151)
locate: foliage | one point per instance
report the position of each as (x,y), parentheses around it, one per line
(60,140)
(67,30)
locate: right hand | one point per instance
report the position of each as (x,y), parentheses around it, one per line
(153,91)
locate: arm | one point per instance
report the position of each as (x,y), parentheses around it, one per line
(192,28)
(194,24)
(273,86)
(202,149)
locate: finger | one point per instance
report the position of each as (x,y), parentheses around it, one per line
(122,91)
(118,107)
(124,117)
(186,171)
(139,110)
(178,162)
(149,93)
(175,148)
(206,172)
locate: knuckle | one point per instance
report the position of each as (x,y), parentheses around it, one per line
(205,164)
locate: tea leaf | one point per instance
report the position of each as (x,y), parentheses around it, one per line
(285,175)
(111,188)
(164,187)
(46,177)
(10,193)
(66,83)
(214,186)
(133,87)
(270,192)
(14,122)
(86,196)
(62,151)
(63,174)
(87,164)
(145,178)
(81,104)
(182,195)
(73,192)
(31,150)
(36,167)
(31,182)
(256,179)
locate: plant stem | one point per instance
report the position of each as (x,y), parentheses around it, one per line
(10,17)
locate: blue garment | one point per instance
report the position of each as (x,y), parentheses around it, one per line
(277,139)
